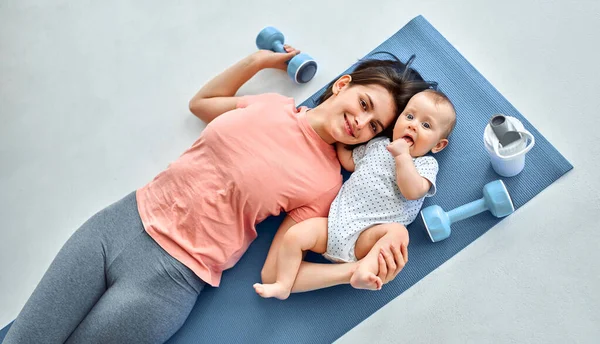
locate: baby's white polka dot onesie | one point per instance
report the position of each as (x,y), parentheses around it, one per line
(371,196)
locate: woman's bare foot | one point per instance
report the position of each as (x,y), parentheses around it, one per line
(362,278)
(276,290)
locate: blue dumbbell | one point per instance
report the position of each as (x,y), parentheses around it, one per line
(495,199)
(301,68)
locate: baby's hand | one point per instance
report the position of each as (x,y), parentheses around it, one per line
(398,147)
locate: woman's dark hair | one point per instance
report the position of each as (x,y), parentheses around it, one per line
(398,78)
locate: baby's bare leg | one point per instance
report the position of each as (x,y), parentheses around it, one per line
(368,246)
(306,235)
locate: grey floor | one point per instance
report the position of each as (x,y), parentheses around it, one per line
(93,103)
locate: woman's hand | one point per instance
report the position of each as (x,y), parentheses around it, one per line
(270,59)
(392,260)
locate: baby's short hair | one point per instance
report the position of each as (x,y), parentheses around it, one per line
(440,98)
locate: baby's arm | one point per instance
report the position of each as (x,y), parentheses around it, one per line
(345,157)
(411,184)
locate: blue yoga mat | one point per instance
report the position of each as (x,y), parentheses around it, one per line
(233,313)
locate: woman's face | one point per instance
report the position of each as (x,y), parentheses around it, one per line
(356,113)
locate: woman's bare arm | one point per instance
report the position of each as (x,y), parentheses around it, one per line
(218,95)
(345,157)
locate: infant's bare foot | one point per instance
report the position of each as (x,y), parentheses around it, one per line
(365,279)
(276,290)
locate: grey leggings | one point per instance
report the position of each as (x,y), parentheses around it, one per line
(110,283)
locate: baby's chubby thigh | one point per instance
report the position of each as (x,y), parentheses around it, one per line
(380,236)
(310,234)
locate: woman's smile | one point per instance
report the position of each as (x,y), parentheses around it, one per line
(348,127)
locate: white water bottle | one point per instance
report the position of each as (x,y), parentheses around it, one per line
(507,142)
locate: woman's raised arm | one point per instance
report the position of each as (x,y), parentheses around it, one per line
(218,95)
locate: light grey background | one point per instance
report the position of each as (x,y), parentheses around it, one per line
(93,103)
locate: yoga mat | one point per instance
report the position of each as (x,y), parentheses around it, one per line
(233,313)
(3,332)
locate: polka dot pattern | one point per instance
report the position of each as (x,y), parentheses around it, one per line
(371,196)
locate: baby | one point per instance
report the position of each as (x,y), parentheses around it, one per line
(381,197)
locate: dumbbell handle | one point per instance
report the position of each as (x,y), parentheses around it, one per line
(277,47)
(467,210)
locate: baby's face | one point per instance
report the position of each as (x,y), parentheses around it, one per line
(423,124)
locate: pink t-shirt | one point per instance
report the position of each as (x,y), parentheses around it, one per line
(248,164)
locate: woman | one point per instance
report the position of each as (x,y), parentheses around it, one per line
(133,271)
